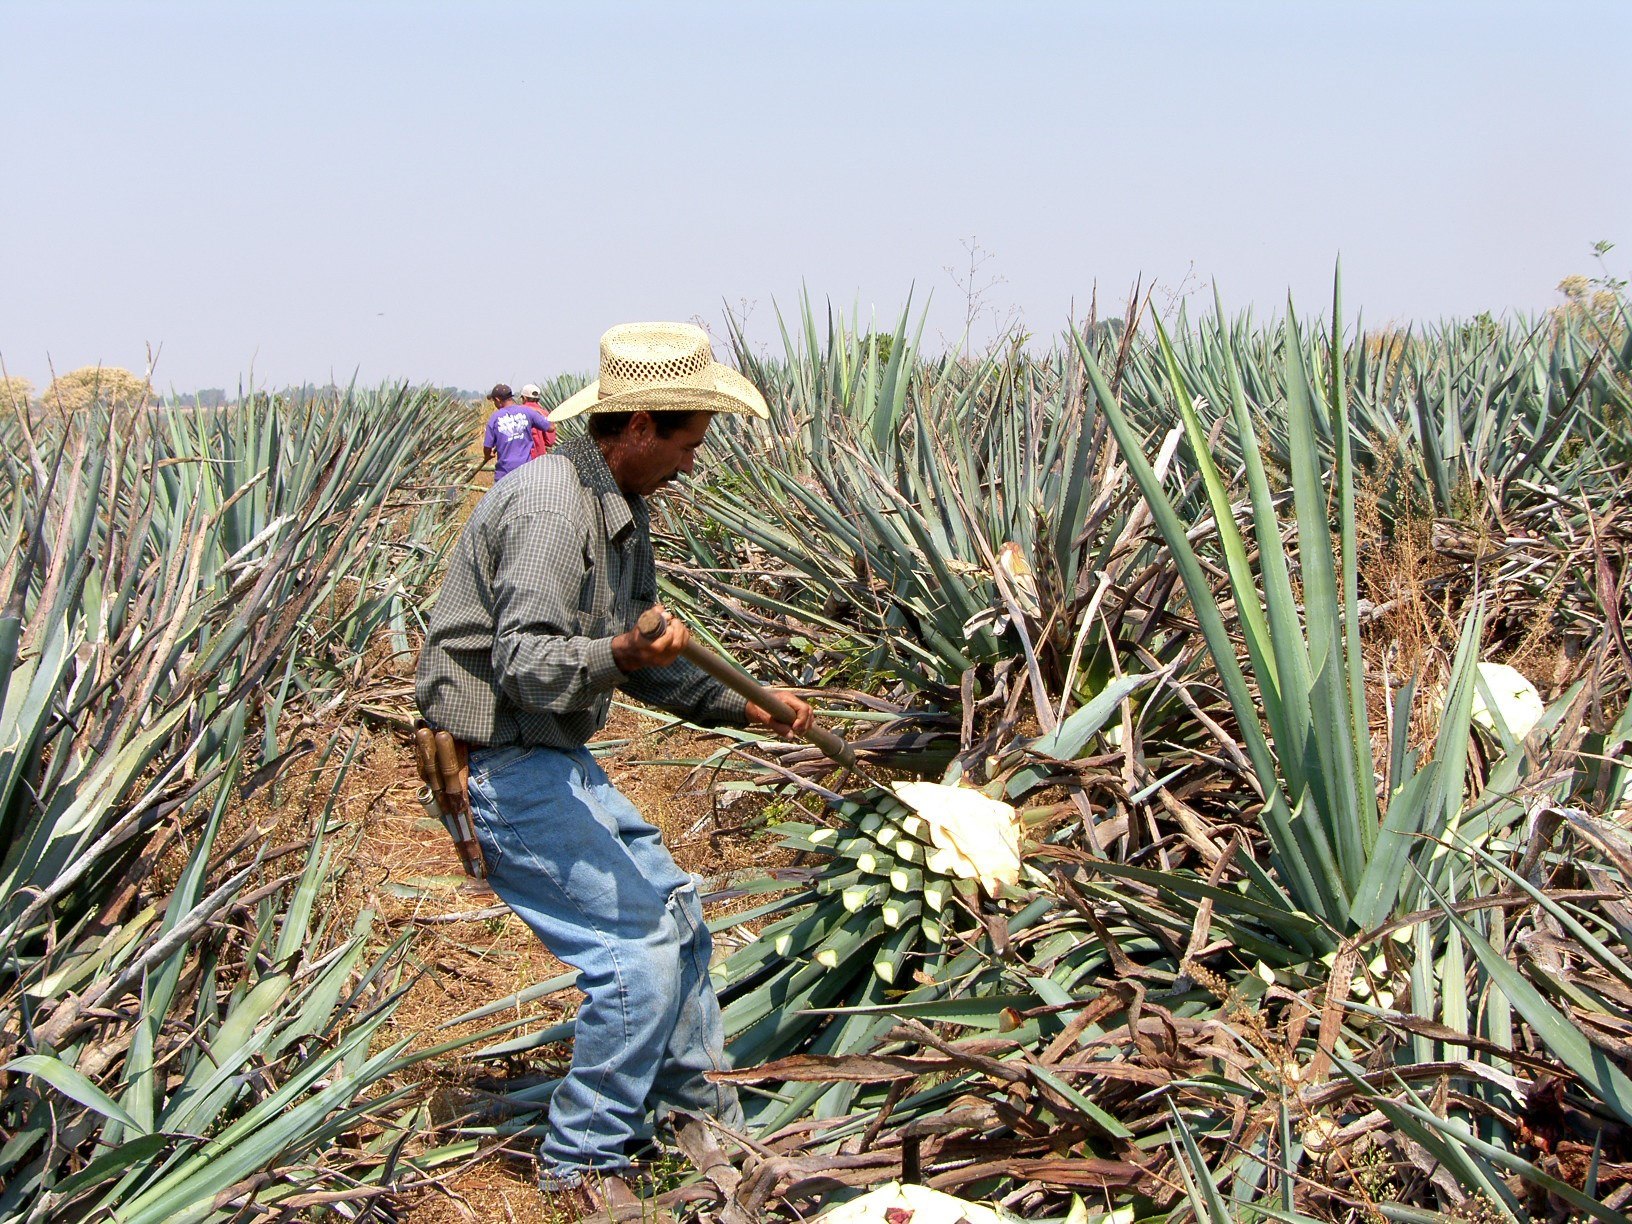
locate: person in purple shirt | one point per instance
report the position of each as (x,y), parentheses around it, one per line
(509,432)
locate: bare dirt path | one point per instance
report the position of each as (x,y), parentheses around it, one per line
(405,871)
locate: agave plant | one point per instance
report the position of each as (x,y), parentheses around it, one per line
(962,533)
(177,1055)
(1238,1027)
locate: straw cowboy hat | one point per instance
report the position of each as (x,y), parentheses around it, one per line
(662,367)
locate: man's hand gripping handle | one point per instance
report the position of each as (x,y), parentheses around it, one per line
(651,626)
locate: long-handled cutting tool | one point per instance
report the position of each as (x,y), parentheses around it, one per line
(651,624)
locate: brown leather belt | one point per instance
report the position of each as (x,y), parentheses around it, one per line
(444,768)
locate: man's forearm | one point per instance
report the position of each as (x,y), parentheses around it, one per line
(554,675)
(685,690)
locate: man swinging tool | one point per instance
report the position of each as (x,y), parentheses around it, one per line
(534,628)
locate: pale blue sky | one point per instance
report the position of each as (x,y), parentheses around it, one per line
(465,192)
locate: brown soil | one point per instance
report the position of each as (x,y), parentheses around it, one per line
(404,870)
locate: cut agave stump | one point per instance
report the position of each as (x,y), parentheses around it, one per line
(888,919)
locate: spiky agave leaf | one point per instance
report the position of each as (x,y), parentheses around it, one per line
(881,920)
(167,567)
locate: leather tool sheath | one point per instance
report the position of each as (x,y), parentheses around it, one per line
(444,767)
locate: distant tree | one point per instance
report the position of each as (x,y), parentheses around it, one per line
(1483,328)
(306,393)
(211,397)
(884,343)
(15,393)
(79,389)
(1586,295)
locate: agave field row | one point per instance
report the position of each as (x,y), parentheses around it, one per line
(1303,931)
(1296,938)
(186,1025)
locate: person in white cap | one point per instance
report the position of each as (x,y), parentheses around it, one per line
(533,397)
(534,628)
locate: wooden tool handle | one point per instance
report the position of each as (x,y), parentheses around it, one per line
(451,771)
(425,761)
(650,626)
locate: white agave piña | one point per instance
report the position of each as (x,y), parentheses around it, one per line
(878,914)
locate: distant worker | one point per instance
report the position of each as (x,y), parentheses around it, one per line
(543,439)
(509,432)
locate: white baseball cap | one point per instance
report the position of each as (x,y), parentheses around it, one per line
(531,391)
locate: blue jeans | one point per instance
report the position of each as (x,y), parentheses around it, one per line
(578,863)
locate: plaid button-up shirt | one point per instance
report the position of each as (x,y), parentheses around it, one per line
(555,562)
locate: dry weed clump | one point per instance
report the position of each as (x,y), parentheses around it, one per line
(1411,613)
(79,389)
(1420,576)
(16,394)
